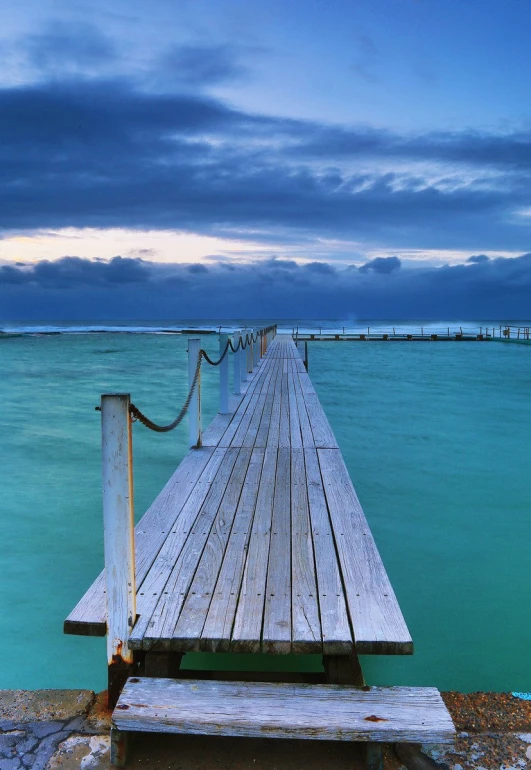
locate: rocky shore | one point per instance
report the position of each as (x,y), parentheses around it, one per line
(69,730)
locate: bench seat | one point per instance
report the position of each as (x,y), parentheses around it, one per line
(373,715)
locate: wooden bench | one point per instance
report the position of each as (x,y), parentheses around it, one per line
(372,715)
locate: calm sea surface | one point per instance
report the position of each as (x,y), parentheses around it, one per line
(436,438)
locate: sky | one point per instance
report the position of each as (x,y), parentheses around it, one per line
(294,159)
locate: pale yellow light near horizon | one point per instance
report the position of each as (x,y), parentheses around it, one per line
(167,246)
(92,243)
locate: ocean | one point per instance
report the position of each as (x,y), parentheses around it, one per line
(436,438)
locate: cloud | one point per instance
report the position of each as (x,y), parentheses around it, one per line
(478,258)
(133,288)
(382,265)
(200,65)
(105,154)
(62,50)
(75,272)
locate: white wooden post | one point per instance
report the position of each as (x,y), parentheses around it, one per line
(194,410)
(256,360)
(223,376)
(236,359)
(119,538)
(243,358)
(250,366)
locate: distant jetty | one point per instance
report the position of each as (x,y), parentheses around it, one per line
(395,334)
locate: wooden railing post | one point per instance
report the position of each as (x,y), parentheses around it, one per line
(194,410)
(243,358)
(223,376)
(256,351)
(119,538)
(249,356)
(236,360)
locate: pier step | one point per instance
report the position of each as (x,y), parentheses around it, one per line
(277,710)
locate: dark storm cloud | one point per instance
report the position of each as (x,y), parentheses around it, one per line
(383,265)
(478,258)
(103,154)
(127,288)
(73,272)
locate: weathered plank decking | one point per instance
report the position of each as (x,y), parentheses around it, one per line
(276,710)
(258,541)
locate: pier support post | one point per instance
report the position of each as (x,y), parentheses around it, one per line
(256,350)
(223,376)
(343,669)
(249,352)
(236,361)
(243,358)
(374,758)
(194,410)
(119,542)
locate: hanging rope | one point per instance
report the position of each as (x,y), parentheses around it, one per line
(141,417)
(137,414)
(215,363)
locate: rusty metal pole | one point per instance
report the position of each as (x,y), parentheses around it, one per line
(194,410)
(119,538)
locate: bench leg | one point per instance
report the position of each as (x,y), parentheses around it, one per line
(343,669)
(119,741)
(374,756)
(162,664)
(117,675)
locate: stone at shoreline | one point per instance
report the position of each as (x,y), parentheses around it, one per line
(69,729)
(44,705)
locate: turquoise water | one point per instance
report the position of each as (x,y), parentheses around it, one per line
(436,438)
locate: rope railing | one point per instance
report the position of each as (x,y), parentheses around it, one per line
(135,412)
(244,343)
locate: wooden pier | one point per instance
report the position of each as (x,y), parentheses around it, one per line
(258,543)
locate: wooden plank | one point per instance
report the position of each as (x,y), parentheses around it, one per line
(294,422)
(284,438)
(274,423)
(379,627)
(305,622)
(322,432)
(275,710)
(217,631)
(335,627)
(276,633)
(192,618)
(265,422)
(168,581)
(89,615)
(218,426)
(247,402)
(255,404)
(304,422)
(246,634)
(248,429)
